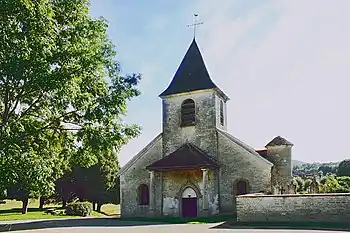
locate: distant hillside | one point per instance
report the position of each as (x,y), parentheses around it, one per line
(310,169)
(297,163)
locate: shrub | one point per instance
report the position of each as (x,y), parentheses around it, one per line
(79,209)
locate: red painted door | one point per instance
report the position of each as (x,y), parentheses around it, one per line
(189,207)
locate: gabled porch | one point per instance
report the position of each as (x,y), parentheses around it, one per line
(187,169)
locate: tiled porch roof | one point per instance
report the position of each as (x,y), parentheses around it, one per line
(186,157)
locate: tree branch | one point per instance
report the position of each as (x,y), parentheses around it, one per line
(16,103)
(31,106)
(6,110)
(57,118)
(71,129)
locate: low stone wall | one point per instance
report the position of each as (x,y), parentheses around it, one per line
(332,207)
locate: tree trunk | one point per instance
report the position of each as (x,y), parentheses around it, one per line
(64,203)
(25,205)
(94,206)
(41,202)
(99,205)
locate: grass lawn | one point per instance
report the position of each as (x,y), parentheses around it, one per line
(12,211)
(110,209)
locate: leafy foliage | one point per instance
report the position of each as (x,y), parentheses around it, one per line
(3,194)
(307,184)
(311,169)
(332,185)
(300,183)
(96,184)
(79,209)
(326,184)
(61,94)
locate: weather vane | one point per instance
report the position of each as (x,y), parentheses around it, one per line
(194,25)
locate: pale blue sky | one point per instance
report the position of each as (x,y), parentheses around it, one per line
(285,64)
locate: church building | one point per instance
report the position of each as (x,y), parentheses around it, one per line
(194,167)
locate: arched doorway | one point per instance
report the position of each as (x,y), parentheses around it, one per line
(242,187)
(189,203)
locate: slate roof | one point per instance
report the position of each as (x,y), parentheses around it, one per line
(191,75)
(262,153)
(279,141)
(186,157)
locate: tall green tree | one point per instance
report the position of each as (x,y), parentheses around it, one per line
(97,184)
(344,168)
(61,93)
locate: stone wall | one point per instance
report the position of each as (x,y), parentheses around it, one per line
(238,163)
(136,174)
(293,208)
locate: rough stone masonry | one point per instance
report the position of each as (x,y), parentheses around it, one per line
(333,207)
(194,167)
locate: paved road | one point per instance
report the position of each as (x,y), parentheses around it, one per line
(180,228)
(191,228)
(109,225)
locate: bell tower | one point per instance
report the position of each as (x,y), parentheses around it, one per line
(193,106)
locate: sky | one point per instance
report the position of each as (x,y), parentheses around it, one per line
(285,64)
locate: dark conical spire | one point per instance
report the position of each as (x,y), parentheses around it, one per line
(191,75)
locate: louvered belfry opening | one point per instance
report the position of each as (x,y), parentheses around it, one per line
(222,118)
(188,112)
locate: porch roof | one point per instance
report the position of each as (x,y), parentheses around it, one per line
(186,157)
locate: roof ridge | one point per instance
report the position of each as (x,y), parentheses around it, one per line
(242,144)
(176,160)
(139,154)
(279,141)
(203,152)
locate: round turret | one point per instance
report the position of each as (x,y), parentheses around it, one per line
(279,152)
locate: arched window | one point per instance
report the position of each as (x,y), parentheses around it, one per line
(143,194)
(242,187)
(188,112)
(222,118)
(189,193)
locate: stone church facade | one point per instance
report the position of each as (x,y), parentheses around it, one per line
(194,167)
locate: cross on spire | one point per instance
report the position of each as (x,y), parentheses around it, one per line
(195,24)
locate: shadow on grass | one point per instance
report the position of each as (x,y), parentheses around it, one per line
(105,222)
(19,210)
(73,222)
(38,210)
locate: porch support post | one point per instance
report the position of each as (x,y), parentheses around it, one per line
(151,190)
(205,187)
